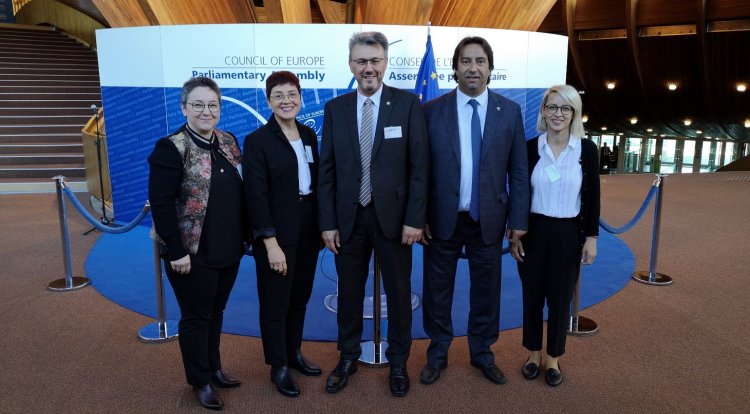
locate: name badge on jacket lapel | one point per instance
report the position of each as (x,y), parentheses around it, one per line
(308,153)
(392,132)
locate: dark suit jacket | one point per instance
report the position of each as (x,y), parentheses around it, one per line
(269,170)
(503,159)
(399,165)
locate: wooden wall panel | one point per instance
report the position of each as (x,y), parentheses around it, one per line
(407,12)
(496,14)
(199,12)
(123,13)
(289,11)
(333,12)
(666,12)
(67,19)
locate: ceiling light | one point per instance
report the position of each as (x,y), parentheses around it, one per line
(741,87)
(581,92)
(672,86)
(619,134)
(708,137)
(747,123)
(698,131)
(604,128)
(650,130)
(610,85)
(584,118)
(687,121)
(662,135)
(633,120)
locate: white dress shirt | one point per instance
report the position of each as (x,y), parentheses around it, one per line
(556,183)
(303,170)
(465,111)
(375,98)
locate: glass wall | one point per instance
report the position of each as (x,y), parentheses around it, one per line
(668,152)
(729,152)
(649,155)
(632,149)
(688,155)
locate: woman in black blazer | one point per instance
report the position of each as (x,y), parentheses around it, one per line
(563,226)
(280,172)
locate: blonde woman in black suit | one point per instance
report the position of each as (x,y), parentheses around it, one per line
(563,226)
(280,173)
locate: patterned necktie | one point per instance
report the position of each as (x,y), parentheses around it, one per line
(365,152)
(476,150)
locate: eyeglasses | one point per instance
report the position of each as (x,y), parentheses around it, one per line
(198,107)
(278,97)
(364,62)
(565,109)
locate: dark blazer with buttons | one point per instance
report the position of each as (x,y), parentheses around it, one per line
(270,173)
(399,166)
(503,159)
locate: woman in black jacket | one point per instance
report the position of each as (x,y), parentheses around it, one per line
(280,172)
(199,215)
(563,226)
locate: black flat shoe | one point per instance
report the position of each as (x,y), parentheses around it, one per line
(530,370)
(340,375)
(491,372)
(554,377)
(208,397)
(224,380)
(284,382)
(398,380)
(431,373)
(301,364)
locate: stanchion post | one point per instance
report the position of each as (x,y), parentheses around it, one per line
(580,325)
(373,352)
(162,330)
(652,277)
(69,282)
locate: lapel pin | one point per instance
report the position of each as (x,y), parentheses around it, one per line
(498,108)
(388,102)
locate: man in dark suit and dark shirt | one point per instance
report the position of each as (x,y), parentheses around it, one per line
(372,194)
(477,143)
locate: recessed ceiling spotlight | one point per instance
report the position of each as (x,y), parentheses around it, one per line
(698,131)
(662,135)
(619,134)
(687,121)
(585,119)
(604,128)
(611,85)
(672,86)
(708,137)
(581,92)
(747,123)
(741,87)
(650,130)
(633,120)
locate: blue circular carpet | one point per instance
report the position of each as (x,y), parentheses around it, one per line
(121,267)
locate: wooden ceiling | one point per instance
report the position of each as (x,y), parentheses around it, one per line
(642,46)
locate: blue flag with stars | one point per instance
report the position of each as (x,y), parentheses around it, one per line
(427,78)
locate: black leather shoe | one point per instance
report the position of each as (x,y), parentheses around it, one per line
(398,380)
(554,377)
(301,364)
(340,375)
(491,372)
(530,370)
(208,397)
(431,373)
(284,382)
(224,380)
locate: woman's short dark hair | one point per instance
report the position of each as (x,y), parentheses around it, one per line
(281,77)
(197,82)
(473,40)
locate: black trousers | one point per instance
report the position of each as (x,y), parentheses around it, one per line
(202,296)
(283,299)
(440,259)
(549,271)
(352,266)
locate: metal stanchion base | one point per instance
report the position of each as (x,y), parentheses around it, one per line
(61,285)
(372,355)
(332,304)
(656,279)
(158,332)
(582,326)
